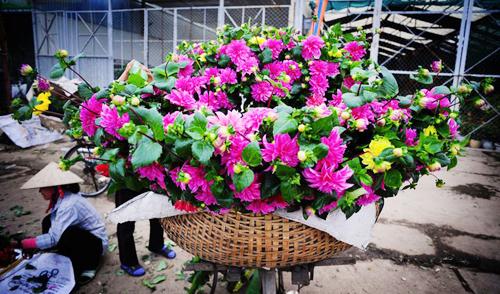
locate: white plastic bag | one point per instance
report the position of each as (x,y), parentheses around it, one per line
(47,273)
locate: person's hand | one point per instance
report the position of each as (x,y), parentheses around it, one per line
(124,75)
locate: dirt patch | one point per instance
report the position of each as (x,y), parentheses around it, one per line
(476,190)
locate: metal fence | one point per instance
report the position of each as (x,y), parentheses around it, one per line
(109,39)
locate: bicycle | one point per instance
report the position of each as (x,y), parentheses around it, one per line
(94,183)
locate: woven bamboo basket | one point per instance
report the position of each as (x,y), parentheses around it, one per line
(249,240)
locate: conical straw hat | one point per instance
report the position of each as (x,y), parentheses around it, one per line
(51,175)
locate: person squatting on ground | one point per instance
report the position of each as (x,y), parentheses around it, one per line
(126,242)
(73,228)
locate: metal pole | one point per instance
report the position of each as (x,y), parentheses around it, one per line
(110,42)
(375,27)
(463,41)
(175,32)
(298,17)
(146,37)
(35,37)
(220,14)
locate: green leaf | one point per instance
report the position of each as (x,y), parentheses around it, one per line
(353,195)
(442,90)
(369,96)
(251,154)
(137,76)
(289,191)
(158,279)
(243,179)
(84,91)
(254,284)
(320,150)
(110,154)
(130,89)
(148,284)
(366,179)
(284,124)
(393,179)
(390,85)
(270,185)
(266,56)
(443,159)
(405,101)
(453,162)
(426,80)
(434,146)
(408,161)
(202,151)
(284,172)
(324,126)
(352,101)
(57,71)
(146,153)
(117,169)
(223,60)
(153,119)
(173,68)
(182,147)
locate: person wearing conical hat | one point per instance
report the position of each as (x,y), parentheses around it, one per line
(73,228)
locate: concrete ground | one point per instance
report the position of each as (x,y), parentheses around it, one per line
(427,240)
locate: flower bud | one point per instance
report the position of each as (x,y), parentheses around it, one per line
(382,167)
(26,70)
(488,89)
(302,128)
(381,122)
(272,116)
(287,57)
(440,183)
(425,72)
(434,166)
(309,211)
(463,89)
(212,137)
(361,124)
(302,156)
(307,78)
(378,31)
(237,169)
(301,65)
(455,149)
(118,100)
(453,115)
(478,103)
(286,79)
(437,66)
(337,54)
(183,177)
(135,101)
(258,79)
(62,53)
(345,115)
(398,152)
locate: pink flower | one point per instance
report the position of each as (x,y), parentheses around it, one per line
(174,175)
(231,119)
(260,206)
(336,99)
(169,119)
(89,112)
(43,85)
(328,207)
(275,69)
(315,100)
(228,76)
(292,69)
(311,47)
(432,100)
(355,50)
(181,98)
(197,180)
(349,82)
(215,101)
(336,149)
(153,172)
(410,136)
(189,85)
(254,117)
(328,180)
(233,156)
(188,69)
(251,192)
(437,66)
(452,124)
(283,148)
(206,197)
(112,122)
(241,55)
(276,46)
(262,91)
(368,198)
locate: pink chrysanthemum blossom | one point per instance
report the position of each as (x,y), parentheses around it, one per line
(89,112)
(283,148)
(410,135)
(437,66)
(260,206)
(181,98)
(254,117)
(156,92)
(228,76)
(292,69)
(211,72)
(336,98)
(42,84)
(336,149)
(431,100)
(250,193)
(206,197)
(312,47)
(452,124)
(315,100)
(230,120)
(363,112)
(169,119)
(327,208)
(215,100)
(368,198)
(355,50)
(188,70)
(349,82)
(320,71)
(276,46)
(174,175)
(189,84)
(275,69)
(262,91)
(153,172)
(328,180)
(241,55)
(277,202)
(111,121)
(197,180)
(233,156)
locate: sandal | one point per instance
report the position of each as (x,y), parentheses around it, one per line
(134,271)
(166,252)
(86,277)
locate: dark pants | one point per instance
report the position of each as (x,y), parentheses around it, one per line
(83,248)
(125,232)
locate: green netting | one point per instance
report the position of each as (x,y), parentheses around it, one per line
(394,4)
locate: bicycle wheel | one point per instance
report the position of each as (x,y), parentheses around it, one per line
(94,183)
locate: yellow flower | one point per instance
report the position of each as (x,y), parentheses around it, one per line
(257,40)
(376,147)
(44,105)
(430,131)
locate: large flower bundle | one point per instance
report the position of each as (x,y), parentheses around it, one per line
(263,119)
